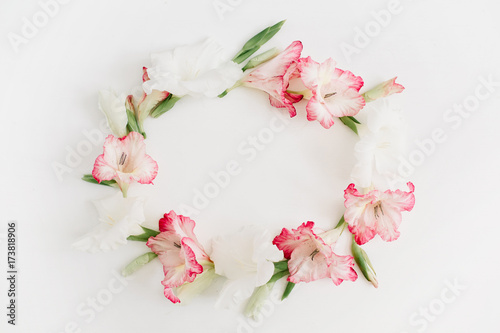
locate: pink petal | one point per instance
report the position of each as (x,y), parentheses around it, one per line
(392,204)
(169,293)
(347,103)
(318,111)
(309,72)
(305,267)
(104,164)
(360,220)
(341,268)
(348,79)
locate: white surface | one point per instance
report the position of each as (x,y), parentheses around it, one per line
(438,49)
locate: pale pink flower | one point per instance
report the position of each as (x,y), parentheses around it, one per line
(311,258)
(273,77)
(179,251)
(376,212)
(335,92)
(125,160)
(384,89)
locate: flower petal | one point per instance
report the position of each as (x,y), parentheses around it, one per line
(361,220)
(317,111)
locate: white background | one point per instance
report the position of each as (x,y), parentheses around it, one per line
(438,49)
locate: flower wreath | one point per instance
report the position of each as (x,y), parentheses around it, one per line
(303,254)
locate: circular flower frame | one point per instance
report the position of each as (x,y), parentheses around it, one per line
(252,260)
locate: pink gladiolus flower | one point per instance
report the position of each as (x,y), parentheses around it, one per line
(376,212)
(384,89)
(274,76)
(311,258)
(179,251)
(335,92)
(125,161)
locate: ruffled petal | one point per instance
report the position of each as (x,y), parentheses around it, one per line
(341,268)
(306,266)
(359,217)
(287,241)
(317,111)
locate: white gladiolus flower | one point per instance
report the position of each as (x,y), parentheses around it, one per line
(118,218)
(246,259)
(380,145)
(197,70)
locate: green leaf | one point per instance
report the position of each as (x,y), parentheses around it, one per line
(89,178)
(354,119)
(256,42)
(138,262)
(132,122)
(164,106)
(288,289)
(144,236)
(349,123)
(278,276)
(281,265)
(342,221)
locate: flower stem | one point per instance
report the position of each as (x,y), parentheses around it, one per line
(224,93)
